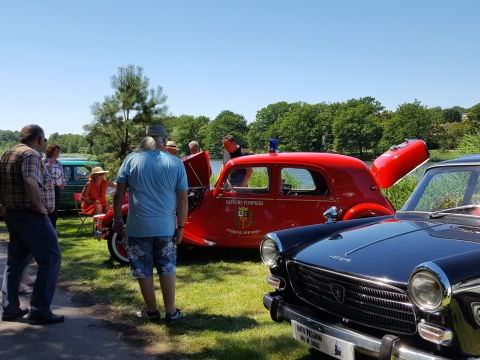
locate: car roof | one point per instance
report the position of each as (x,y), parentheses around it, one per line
(301,158)
(463,160)
(78,161)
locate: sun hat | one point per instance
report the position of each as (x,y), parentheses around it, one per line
(171,144)
(156,131)
(98,170)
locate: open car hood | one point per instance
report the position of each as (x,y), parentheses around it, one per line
(398,161)
(198,169)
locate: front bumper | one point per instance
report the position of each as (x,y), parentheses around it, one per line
(385,348)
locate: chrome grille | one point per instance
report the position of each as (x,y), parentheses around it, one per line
(359,300)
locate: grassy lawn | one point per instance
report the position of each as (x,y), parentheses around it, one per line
(220,293)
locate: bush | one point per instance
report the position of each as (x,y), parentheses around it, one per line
(400,192)
(469,144)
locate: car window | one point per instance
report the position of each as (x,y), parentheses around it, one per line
(81,172)
(444,190)
(298,181)
(476,193)
(248,180)
(67,172)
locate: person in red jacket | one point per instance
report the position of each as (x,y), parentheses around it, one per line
(94,194)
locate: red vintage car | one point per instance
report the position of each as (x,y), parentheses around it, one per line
(284,190)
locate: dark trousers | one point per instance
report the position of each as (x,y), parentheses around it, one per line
(54,215)
(31,234)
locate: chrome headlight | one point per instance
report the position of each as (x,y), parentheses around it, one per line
(269,251)
(429,288)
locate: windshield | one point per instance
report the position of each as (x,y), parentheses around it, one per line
(451,189)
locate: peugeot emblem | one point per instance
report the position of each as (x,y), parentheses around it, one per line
(338,293)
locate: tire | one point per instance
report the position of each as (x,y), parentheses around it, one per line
(117,250)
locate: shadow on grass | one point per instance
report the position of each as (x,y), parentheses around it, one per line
(188,255)
(200,321)
(215,272)
(258,348)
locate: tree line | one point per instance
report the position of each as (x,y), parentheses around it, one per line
(361,127)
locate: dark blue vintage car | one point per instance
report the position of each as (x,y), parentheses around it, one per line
(394,287)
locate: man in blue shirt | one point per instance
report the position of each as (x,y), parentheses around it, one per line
(157,189)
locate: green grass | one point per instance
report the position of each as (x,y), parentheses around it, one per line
(442,155)
(220,292)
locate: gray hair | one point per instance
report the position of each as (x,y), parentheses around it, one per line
(150,143)
(193,143)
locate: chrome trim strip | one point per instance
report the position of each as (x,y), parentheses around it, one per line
(474,163)
(273,236)
(364,343)
(473,286)
(441,277)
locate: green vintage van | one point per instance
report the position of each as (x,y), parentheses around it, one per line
(76,172)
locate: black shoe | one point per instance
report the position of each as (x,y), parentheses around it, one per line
(51,318)
(12,316)
(175,316)
(148,315)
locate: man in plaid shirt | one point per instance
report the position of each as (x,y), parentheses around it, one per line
(26,192)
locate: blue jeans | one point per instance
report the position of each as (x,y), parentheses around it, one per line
(31,234)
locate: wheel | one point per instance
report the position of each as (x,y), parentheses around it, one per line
(117,248)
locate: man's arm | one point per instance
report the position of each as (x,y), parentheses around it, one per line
(117,207)
(248,175)
(32,172)
(182,212)
(32,188)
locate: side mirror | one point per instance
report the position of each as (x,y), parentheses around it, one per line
(331,215)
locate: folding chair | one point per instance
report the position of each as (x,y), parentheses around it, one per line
(77,199)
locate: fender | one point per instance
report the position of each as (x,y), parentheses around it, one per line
(108,218)
(366,210)
(190,238)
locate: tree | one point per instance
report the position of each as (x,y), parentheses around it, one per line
(187,128)
(452,115)
(450,134)
(69,143)
(8,139)
(411,120)
(119,121)
(227,122)
(473,114)
(356,127)
(305,127)
(258,135)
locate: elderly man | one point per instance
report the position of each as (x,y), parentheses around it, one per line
(157,184)
(27,194)
(194,147)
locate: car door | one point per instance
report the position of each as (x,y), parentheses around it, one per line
(304,195)
(66,195)
(246,212)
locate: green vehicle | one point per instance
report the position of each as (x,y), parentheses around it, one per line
(76,172)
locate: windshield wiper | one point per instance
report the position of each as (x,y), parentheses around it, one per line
(444,212)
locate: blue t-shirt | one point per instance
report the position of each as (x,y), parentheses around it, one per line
(153,178)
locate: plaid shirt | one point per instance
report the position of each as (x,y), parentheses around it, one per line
(17,164)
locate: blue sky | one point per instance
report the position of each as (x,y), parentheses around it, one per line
(56,57)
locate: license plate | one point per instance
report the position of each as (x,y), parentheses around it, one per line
(339,349)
